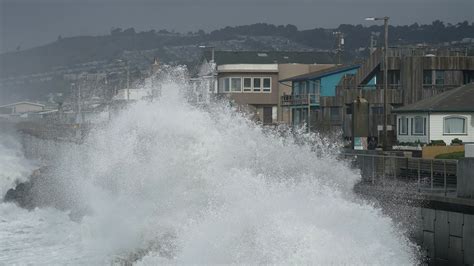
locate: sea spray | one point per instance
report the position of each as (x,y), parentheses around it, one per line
(168,182)
(14,167)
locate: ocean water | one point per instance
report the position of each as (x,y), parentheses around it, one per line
(166,182)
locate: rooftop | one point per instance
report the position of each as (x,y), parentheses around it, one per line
(460,99)
(322,73)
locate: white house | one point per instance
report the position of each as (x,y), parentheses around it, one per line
(446,116)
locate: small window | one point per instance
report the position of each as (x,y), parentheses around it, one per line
(247,84)
(257,85)
(236,84)
(267,85)
(418,125)
(455,125)
(403,126)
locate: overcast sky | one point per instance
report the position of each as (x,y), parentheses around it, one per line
(33,22)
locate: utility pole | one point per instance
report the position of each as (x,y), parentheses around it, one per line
(340,45)
(385,84)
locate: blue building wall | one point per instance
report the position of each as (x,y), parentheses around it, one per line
(329,83)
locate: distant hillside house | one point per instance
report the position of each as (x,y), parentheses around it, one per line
(21,108)
(250,79)
(444,117)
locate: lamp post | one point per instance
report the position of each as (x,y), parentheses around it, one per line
(385,77)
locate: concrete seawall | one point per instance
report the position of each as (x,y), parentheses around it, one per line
(465,186)
(448,237)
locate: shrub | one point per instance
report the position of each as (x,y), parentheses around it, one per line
(437,143)
(456,141)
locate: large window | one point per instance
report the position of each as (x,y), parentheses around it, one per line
(433,77)
(236,84)
(454,125)
(418,125)
(267,84)
(247,84)
(296,88)
(224,85)
(393,77)
(257,85)
(403,126)
(427,77)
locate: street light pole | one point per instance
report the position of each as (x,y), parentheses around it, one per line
(385,84)
(385,80)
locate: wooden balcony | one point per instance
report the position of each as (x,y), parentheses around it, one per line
(373,94)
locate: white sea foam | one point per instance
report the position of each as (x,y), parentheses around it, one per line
(166,182)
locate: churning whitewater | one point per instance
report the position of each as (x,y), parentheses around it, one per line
(169,182)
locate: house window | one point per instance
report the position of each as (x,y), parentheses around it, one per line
(418,125)
(394,77)
(454,125)
(427,77)
(296,88)
(247,84)
(236,84)
(267,85)
(257,85)
(303,87)
(402,126)
(224,85)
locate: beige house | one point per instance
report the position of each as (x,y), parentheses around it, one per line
(251,79)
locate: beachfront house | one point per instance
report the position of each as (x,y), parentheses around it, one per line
(446,116)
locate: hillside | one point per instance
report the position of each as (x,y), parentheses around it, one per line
(42,68)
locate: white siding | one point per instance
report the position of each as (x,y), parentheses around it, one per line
(409,137)
(437,127)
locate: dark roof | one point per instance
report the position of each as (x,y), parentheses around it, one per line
(460,99)
(270,57)
(321,73)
